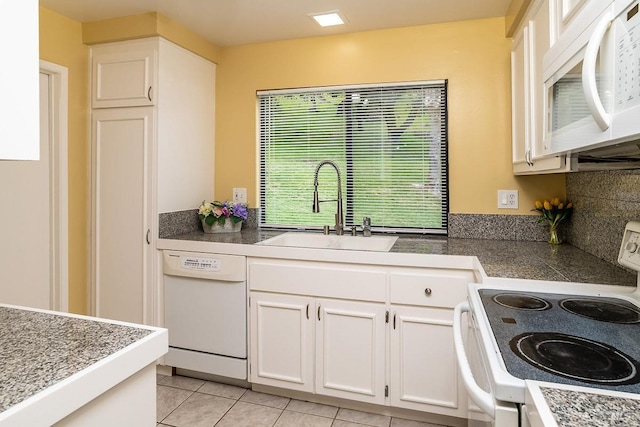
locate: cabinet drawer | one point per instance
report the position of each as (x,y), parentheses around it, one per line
(434,289)
(318,279)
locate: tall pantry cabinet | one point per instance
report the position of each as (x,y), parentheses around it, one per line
(152,151)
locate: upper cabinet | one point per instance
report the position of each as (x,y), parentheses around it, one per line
(530,42)
(19,81)
(124,75)
(564,13)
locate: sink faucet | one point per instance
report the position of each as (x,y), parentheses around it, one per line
(316,202)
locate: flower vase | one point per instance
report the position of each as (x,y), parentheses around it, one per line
(553,236)
(229,226)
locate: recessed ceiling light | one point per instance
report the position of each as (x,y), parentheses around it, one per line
(328,19)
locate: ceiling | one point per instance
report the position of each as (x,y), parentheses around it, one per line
(236,22)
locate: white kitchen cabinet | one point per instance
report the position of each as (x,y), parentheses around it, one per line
(346,355)
(19,81)
(348,308)
(282,341)
(330,347)
(145,161)
(424,373)
(350,350)
(530,43)
(124,75)
(122,220)
(565,12)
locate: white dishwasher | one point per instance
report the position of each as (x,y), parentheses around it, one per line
(205,311)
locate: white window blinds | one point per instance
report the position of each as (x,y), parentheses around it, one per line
(389,141)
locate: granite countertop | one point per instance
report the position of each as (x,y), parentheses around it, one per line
(42,351)
(555,405)
(499,258)
(573,408)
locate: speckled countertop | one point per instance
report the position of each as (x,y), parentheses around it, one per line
(40,349)
(499,258)
(560,405)
(572,408)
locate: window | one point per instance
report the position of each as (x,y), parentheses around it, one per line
(389,141)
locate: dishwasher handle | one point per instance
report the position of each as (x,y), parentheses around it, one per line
(484,400)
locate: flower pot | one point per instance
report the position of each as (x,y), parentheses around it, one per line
(229,226)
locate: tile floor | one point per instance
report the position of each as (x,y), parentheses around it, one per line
(191,402)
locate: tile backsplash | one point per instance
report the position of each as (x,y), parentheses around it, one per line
(180,222)
(604,202)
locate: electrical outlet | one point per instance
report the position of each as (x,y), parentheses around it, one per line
(507,199)
(239,195)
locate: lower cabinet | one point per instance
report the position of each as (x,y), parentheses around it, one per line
(350,350)
(341,342)
(387,340)
(282,341)
(424,374)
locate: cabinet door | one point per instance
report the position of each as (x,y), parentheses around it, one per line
(281,337)
(19,100)
(528,109)
(122,215)
(125,78)
(520,100)
(350,349)
(424,374)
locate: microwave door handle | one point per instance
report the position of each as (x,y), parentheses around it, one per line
(484,400)
(601,117)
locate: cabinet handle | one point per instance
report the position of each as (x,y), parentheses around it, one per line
(427,292)
(394,320)
(149,93)
(307,311)
(318,311)
(148,236)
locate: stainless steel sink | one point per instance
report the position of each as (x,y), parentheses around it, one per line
(331,241)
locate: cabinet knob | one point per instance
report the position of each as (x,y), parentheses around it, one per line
(427,291)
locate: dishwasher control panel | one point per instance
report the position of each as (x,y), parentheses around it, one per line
(208,266)
(201,264)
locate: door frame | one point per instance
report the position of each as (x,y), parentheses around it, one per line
(58,185)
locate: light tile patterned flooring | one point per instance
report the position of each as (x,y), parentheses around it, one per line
(190,402)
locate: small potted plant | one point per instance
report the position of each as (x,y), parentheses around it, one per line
(553,212)
(222,217)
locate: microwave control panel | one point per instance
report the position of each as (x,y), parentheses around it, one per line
(627,27)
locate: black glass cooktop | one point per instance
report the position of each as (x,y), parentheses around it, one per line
(571,339)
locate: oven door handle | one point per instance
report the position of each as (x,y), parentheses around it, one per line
(484,400)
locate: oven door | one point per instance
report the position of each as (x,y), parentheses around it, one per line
(475,376)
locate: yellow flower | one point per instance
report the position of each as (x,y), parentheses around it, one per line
(561,205)
(547,205)
(538,204)
(570,205)
(555,201)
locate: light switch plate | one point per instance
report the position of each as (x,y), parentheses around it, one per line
(507,199)
(239,195)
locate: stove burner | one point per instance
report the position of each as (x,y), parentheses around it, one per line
(576,358)
(604,311)
(522,301)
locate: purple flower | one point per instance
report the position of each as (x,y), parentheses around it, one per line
(239,210)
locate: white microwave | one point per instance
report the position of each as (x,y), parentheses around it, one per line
(592,80)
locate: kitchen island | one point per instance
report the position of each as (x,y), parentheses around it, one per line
(70,370)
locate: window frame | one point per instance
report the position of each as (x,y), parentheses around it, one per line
(347,173)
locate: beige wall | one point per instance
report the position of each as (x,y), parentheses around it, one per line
(472,55)
(61,43)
